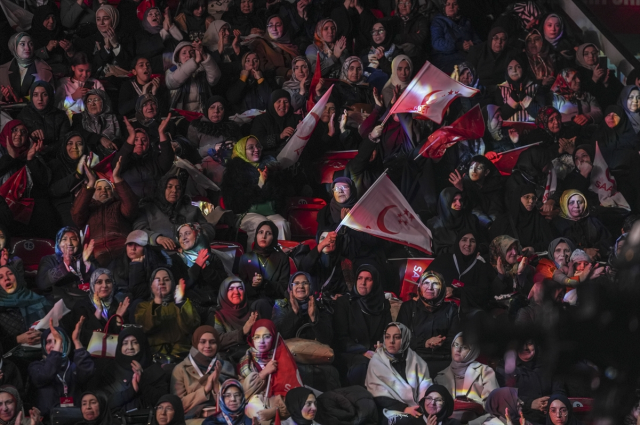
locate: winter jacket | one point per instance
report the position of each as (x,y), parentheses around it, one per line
(154,46)
(352,333)
(248,93)
(94,47)
(347,406)
(586,105)
(169,327)
(143,172)
(54,124)
(289,323)
(53,275)
(447,37)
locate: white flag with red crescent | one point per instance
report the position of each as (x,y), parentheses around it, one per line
(385,213)
(604,184)
(294,147)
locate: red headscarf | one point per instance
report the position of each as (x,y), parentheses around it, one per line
(6,134)
(263,323)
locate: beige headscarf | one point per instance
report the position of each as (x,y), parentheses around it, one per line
(394,71)
(112,12)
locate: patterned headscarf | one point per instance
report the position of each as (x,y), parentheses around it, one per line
(561,85)
(443,289)
(100,303)
(317,37)
(14,40)
(345,70)
(526,12)
(564,204)
(542,119)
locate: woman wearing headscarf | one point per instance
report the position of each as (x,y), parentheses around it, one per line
(464,265)
(162,214)
(436,405)
(274,127)
(97,124)
(231,403)
(275,49)
(561,411)
(11,374)
(344,198)
(382,50)
(523,221)
(94,410)
(412,31)
(484,187)
(157,37)
(243,16)
(195,20)
(67,269)
(574,103)
(253,185)
(97,307)
(542,61)
(453,215)
(396,376)
(132,380)
(302,406)
(595,78)
(13,412)
(491,58)
(199,376)
(497,404)
(575,223)
(556,33)
(251,90)
(630,101)
(332,52)
(148,114)
(14,148)
(401,75)
(298,84)
(19,309)
(359,321)
(518,97)
(549,130)
(452,36)
(168,411)
(556,266)
(42,118)
(56,375)
(352,87)
(143,83)
(514,272)
(18,75)
(45,32)
(465,377)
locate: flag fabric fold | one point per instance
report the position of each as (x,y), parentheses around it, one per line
(383,212)
(314,82)
(15,192)
(189,115)
(470,126)
(294,147)
(103,168)
(287,376)
(604,184)
(430,93)
(505,161)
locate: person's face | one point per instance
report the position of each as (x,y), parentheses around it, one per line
(558,413)
(354,72)
(534,44)
(275,28)
(186,53)
(431,287)
(512,254)
(103,21)
(555,123)
(235,294)
(301,287)
(103,286)
(378,33)
(24,49)
(329,248)
(90,407)
(477,171)
(226,34)
(262,339)
(404,72)
(451,8)
(49,22)
(282,106)
(580,265)
(173,191)
(81,72)
(329,109)
(130,346)
(301,70)
(514,70)
(309,409)
(104,192)
(164,413)
(552,27)
(590,55)
(253,150)
(574,81)
(246,6)
(94,104)
(576,206)
(19,136)
(161,284)
(612,120)
(404,7)
(433,403)
(459,350)
(496,120)
(633,101)
(364,284)
(69,243)
(149,109)
(456,204)
(264,236)
(529,201)
(141,143)
(187,237)
(341,192)
(329,32)
(8,280)
(232,398)
(49,343)
(216,112)
(40,98)
(251,62)
(527,352)
(3,240)
(7,407)
(466,78)
(562,254)
(75,147)
(154,17)
(208,345)
(142,70)
(467,244)
(581,157)
(393,339)
(199,10)
(498,42)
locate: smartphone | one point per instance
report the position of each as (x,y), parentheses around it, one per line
(89,84)
(603,62)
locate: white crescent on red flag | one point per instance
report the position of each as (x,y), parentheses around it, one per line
(470,126)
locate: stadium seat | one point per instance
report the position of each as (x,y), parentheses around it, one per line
(302,214)
(31,251)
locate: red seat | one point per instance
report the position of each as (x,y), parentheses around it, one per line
(377,13)
(582,407)
(31,251)
(303,216)
(466,411)
(332,162)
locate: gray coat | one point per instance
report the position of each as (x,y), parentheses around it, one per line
(156,223)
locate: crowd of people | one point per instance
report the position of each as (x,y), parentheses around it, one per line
(136,133)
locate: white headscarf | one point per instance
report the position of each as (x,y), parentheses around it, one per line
(394,80)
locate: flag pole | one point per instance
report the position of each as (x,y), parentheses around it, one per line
(384,173)
(272,358)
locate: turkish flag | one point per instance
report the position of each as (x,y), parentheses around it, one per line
(412,272)
(314,82)
(334,161)
(505,161)
(385,213)
(551,186)
(430,93)
(287,376)
(294,147)
(15,193)
(470,126)
(604,184)
(103,168)
(189,115)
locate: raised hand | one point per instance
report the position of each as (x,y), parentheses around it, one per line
(4,257)
(135,381)
(252,319)
(88,250)
(340,46)
(523,265)
(312,309)
(397,91)
(377,96)
(294,302)
(332,125)
(179,294)
(500,266)
(257,280)
(116,171)
(203,256)
(75,336)
(163,126)
(57,344)
(136,367)
(132,133)
(235,44)
(379,52)
(455,179)
(122,307)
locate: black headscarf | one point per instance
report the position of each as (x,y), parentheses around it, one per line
(500,399)
(176,403)
(224,128)
(39,34)
(159,200)
(144,355)
(451,218)
(104,418)
(372,303)
(518,85)
(335,207)
(620,136)
(447,408)
(571,419)
(531,164)
(194,23)
(265,252)
(69,164)
(388,35)
(295,401)
(529,227)
(233,315)
(281,122)
(51,103)
(589,149)
(464,261)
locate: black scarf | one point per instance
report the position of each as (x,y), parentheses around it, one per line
(266,251)
(167,208)
(39,34)
(224,128)
(336,207)
(372,303)
(144,355)
(295,401)
(281,122)
(176,403)
(104,418)
(63,157)
(50,108)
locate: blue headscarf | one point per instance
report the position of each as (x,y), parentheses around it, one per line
(61,233)
(32,306)
(66,346)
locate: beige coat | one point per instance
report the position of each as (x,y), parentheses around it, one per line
(479,381)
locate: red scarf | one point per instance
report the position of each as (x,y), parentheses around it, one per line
(6,134)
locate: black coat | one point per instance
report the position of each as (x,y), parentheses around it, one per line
(489,66)
(356,332)
(275,271)
(245,95)
(54,277)
(84,307)
(289,323)
(143,172)
(588,232)
(54,125)
(152,47)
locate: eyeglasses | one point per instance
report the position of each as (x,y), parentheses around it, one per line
(404,3)
(304,282)
(93,101)
(502,39)
(232,396)
(379,32)
(563,411)
(431,400)
(254,148)
(340,189)
(262,338)
(464,347)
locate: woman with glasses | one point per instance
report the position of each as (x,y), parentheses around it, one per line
(561,411)
(332,52)
(231,404)
(382,50)
(168,411)
(491,58)
(275,49)
(452,36)
(436,407)
(97,123)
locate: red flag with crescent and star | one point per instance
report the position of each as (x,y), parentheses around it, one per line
(384,212)
(430,93)
(294,147)
(470,126)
